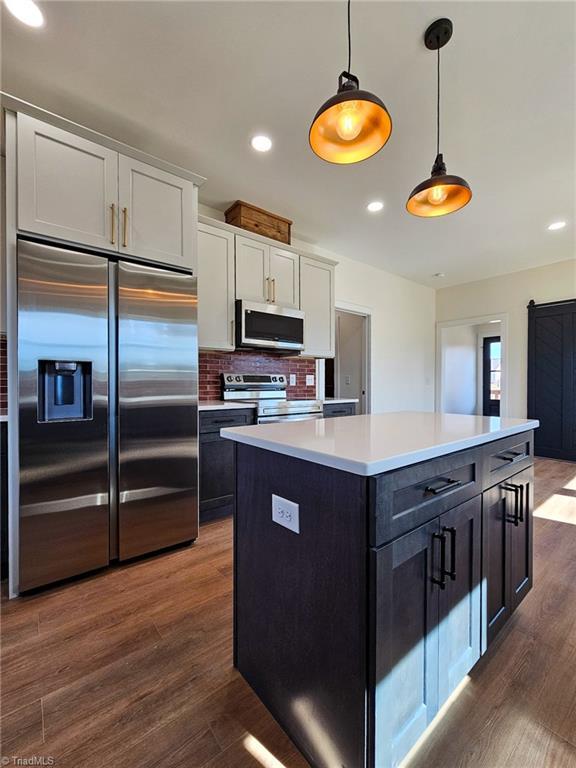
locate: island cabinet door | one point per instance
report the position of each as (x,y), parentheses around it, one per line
(496,609)
(460,606)
(520,533)
(405,636)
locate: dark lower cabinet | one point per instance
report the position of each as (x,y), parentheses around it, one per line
(332,410)
(507,549)
(216,461)
(426,625)
(406,650)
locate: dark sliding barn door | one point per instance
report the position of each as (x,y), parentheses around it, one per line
(552,377)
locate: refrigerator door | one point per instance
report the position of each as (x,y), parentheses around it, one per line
(63,404)
(157,400)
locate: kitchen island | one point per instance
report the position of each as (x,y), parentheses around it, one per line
(376,558)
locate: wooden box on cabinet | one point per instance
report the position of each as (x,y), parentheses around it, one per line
(258,220)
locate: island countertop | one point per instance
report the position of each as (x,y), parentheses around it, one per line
(374,443)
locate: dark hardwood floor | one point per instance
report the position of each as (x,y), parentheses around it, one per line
(133,666)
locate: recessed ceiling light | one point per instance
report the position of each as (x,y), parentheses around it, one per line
(439,274)
(493,321)
(261,143)
(26,11)
(375,206)
(556,225)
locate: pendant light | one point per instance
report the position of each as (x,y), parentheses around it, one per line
(353,125)
(442,193)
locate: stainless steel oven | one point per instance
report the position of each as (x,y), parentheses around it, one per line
(267,391)
(268,326)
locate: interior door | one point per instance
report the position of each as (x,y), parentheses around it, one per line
(156,214)
(460,606)
(252,266)
(67,185)
(158,396)
(552,378)
(63,413)
(285,278)
(405,641)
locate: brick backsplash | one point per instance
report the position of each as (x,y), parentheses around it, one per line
(213,363)
(3,376)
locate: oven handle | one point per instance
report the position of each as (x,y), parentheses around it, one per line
(289,417)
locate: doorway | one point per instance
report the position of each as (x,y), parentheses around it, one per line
(347,375)
(491,375)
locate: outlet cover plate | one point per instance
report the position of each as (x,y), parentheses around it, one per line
(292,379)
(286,513)
(309,379)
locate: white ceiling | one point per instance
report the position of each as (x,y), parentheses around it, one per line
(192,82)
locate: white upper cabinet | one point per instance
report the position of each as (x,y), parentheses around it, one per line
(157,214)
(67,185)
(317,301)
(266,274)
(215,288)
(284,276)
(252,260)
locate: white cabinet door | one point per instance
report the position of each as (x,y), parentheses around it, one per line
(215,288)
(317,301)
(67,185)
(157,214)
(284,276)
(252,264)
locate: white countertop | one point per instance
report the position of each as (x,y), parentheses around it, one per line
(222,405)
(375,443)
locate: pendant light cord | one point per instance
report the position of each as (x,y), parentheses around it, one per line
(438,105)
(349,40)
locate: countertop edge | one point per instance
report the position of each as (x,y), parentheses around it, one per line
(383,465)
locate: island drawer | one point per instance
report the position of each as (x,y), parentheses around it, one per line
(332,410)
(409,497)
(214,421)
(505,457)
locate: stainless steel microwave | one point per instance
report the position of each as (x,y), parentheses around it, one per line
(268,326)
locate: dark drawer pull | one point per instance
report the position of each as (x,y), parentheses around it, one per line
(441,582)
(334,412)
(518,491)
(511,456)
(446,485)
(223,421)
(452,531)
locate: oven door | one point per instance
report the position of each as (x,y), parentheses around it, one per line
(267,326)
(289,417)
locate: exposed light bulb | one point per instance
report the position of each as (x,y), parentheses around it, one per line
(437,195)
(349,121)
(26,11)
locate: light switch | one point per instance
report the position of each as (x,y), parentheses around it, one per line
(292,379)
(348,380)
(286,513)
(309,379)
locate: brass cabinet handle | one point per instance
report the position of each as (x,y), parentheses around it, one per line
(268,290)
(125,227)
(273,290)
(113,223)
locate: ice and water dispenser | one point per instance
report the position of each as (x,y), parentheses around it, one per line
(64,390)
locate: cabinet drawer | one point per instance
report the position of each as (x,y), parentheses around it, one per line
(214,421)
(339,409)
(504,458)
(406,498)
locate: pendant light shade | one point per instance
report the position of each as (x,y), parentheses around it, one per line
(441,193)
(351,126)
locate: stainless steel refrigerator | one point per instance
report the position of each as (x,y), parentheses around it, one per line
(108,383)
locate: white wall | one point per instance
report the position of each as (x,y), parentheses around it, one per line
(402,329)
(459,369)
(509,295)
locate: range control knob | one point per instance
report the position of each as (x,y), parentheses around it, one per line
(238,378)
(229,378)
(273,378)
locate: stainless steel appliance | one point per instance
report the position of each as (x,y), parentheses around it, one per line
(268,326)
(268,391)
(107,369)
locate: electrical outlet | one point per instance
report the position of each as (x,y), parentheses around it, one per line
(309,379)
(286,513)
(292,379)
